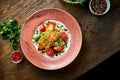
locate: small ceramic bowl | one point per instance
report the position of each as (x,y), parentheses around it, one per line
(16,57)
(72,2)
(104,12)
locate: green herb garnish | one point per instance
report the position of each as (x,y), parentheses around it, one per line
(9,29)
(75,1)
(80,1)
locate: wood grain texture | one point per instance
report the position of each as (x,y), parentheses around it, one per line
(101,39)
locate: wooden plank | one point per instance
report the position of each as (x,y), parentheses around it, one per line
(101,39)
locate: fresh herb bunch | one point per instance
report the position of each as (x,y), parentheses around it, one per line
(9,29)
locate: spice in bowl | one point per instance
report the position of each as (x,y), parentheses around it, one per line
(16,57)
(99,7)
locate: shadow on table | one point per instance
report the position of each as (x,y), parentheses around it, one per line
(110,68)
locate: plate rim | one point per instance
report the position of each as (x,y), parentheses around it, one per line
(66,26)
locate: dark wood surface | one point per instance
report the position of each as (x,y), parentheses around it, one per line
(101,39)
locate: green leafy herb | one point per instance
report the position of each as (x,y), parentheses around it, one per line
(80,1)
(9,29)
(75,1)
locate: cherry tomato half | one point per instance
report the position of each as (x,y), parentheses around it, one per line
(63,36)
(43,29)
(50,51)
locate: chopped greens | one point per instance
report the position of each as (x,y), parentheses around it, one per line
(75,1)
(81,1)
(9,29)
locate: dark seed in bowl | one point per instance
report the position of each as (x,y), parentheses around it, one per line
(98,6)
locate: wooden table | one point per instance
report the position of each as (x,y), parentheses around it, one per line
(101,39)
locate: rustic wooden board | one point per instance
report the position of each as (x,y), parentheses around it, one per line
(101,39)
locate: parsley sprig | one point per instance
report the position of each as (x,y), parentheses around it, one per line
(9,29)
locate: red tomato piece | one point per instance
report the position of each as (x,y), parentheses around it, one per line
(50,52)
(63,36)
(16,56)
(43,29)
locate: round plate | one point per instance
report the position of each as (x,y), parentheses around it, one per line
(30,51)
